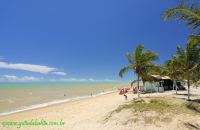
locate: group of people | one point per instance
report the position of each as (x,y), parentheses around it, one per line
(125,90)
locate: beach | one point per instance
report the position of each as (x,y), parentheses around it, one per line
(100,65)
(82,114)
(91,114)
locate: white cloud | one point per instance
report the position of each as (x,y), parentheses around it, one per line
(30,78)
(31,68)
(28,67)
(13,78)
(75,80)
(80,80)
(60,73)
(10,77)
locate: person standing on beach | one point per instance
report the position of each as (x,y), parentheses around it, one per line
(125,92)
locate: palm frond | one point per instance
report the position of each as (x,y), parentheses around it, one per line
(192,68)
(125,69)
(130,58)
(148,56)
(186,11)
(141,61)
(138,52)
(133,82)
(180,52)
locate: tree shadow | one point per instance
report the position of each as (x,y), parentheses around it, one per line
(183,94)
(192,126)
(194,105)
(196,100)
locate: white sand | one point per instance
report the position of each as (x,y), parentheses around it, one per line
(90,114)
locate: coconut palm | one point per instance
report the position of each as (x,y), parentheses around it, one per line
(140,62)
(189,59)
(173,70)
(186,11)
(196,74)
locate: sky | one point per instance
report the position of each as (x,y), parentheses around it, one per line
(82,40)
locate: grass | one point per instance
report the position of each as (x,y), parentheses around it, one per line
(161,106)
(158,105)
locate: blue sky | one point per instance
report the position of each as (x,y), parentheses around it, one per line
(82,39)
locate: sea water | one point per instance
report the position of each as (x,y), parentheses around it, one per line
(16,97)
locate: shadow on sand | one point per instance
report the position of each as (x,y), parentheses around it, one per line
(192,126)
(183,94)
(196,100)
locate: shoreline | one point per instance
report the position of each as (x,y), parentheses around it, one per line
(84,114)
(55,102)
(91,113)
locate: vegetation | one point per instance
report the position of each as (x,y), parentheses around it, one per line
(188,12)
(158,105)
(141,62)
(164,108)
(173,70)
(185,64)
(188,60)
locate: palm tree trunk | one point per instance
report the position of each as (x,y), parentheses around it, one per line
(175,86)
(176,89)
(138,85)
(143,89)
(188,82)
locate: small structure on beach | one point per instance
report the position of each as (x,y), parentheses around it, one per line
(162,83)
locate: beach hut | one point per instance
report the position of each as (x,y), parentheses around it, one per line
(167,83)
(164,81)
(161,84)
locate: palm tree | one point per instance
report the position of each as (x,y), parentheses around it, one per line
(196,74)
(186,11)
(189,60)
(173,70)
(141,62)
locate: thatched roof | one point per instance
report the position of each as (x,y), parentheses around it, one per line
(158,77)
